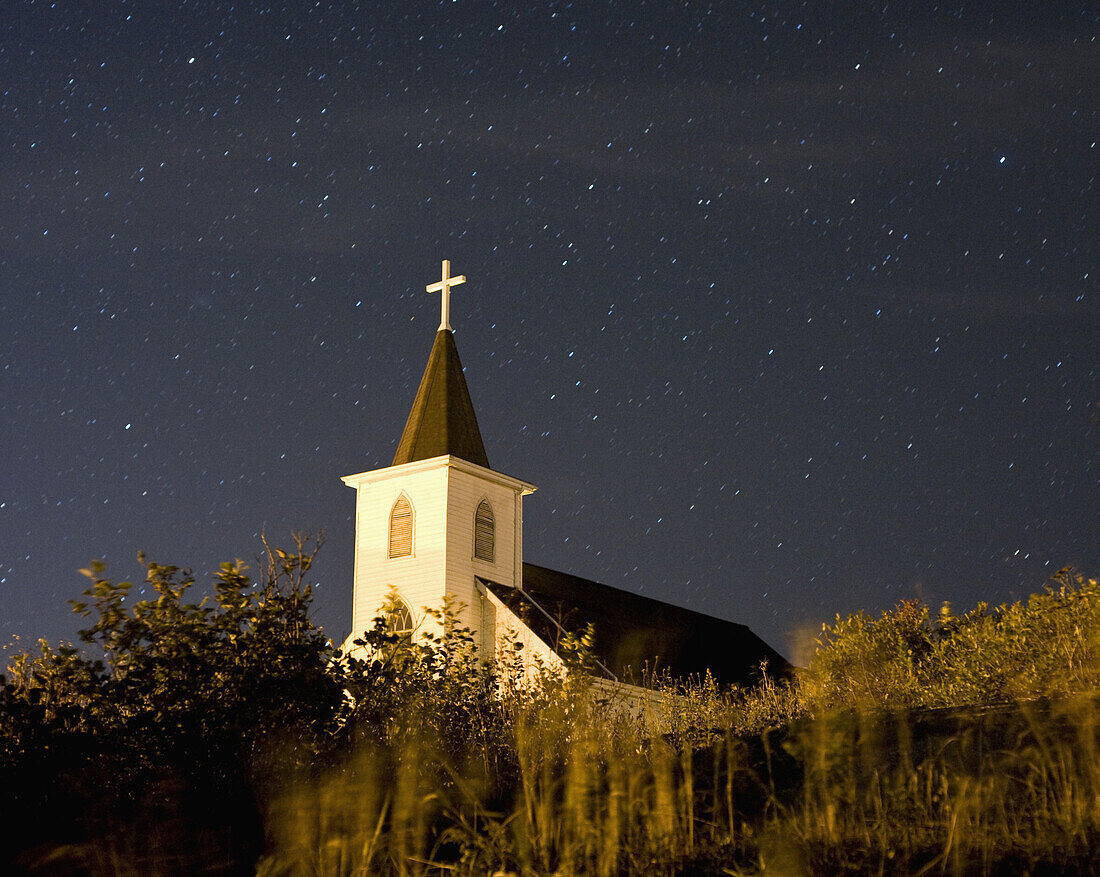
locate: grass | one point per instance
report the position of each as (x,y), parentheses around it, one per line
(1008,790)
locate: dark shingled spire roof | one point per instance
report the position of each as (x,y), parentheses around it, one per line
(442,419)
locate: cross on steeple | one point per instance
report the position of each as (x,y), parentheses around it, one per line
(444,287)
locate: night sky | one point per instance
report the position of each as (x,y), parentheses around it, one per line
(788,310)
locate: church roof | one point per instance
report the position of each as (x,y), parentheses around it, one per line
(442,420)
(635,635)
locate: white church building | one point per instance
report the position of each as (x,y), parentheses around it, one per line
(441,522)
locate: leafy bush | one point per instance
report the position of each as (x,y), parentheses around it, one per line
(169,703)
(1048,646)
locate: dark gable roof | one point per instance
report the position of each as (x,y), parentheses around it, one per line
(635,634)
(442,419)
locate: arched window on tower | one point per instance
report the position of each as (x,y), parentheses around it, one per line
(401,528)
(398,616)
(484,531)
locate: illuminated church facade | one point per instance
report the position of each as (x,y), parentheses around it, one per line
(441,523)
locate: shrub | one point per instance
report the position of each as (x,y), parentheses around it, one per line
(1048,646)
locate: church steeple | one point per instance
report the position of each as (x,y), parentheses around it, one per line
(439,520)
(442,420)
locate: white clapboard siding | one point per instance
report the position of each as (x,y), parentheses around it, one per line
(427,551)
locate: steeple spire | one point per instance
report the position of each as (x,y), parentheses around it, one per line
(442,419)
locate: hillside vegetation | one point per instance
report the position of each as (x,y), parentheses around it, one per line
(225,735)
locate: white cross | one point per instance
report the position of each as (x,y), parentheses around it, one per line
(444,286)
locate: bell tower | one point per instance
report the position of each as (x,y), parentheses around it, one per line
(439,518)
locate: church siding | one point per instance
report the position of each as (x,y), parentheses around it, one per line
(503,628)
(416,577)
(466,491)
(444,493)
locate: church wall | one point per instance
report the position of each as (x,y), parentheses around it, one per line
(418,578)
(465,492)
(502,627)
(654,708)
(444,494)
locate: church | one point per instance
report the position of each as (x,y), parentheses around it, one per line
(440,523)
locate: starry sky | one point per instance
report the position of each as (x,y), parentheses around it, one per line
(788,309)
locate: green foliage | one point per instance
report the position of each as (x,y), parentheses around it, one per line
(429,686)
(1048,646)
(864,660)
(165,676)
(170,693)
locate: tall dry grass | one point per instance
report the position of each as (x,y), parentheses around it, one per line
(1007,790)
(851,768)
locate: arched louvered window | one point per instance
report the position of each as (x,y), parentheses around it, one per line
(484,530)
(401,528)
